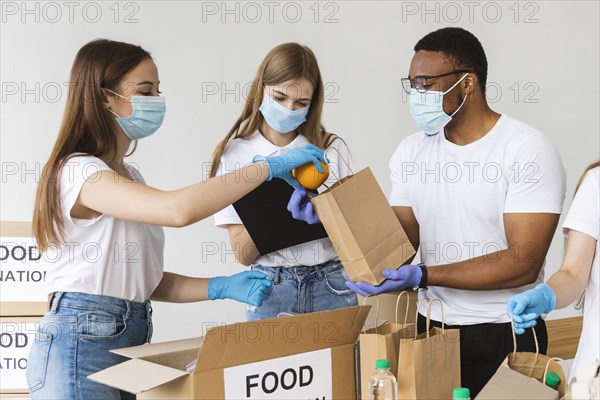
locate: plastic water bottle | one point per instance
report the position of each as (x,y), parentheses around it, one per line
(383,385)
(461,394)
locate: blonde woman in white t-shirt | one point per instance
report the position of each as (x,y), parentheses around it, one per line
(283,111)
(579,273)
(99,226)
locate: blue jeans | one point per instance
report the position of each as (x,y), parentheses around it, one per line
(74,339)
(302,289)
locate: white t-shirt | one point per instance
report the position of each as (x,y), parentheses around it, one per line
(240,152)
(104,255)
(459,195)
(584,216)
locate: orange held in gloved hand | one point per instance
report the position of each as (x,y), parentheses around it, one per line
(308,176)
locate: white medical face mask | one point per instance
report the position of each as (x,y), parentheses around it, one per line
(147,116)
(281,118)
(428,111)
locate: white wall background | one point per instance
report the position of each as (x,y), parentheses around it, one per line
(543,69)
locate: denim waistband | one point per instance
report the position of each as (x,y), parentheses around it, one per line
(86,301)
(277,274)
(326,265)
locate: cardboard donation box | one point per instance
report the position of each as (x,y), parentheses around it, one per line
(22,275)
(521,376)
(306,356)
(17,335)
(363,227)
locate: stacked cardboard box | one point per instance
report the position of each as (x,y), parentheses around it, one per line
(22,304)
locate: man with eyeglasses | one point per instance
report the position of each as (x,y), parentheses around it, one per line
(479,194)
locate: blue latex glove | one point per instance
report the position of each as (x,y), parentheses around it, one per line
(251,287)
(281,166)
(405,277)
(526,307)
(301,207)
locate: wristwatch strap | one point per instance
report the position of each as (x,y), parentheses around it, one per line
(423,281)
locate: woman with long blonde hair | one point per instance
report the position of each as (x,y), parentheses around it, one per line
(99,226)
(283,111)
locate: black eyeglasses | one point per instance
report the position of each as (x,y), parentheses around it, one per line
(420,82)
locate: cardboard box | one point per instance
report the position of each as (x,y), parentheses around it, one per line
(306,356)
(17,335)
(22,275)
(507,384)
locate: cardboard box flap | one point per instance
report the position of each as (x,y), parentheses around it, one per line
(136,376)
(248,342)
(151,349)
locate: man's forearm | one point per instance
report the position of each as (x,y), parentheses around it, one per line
(503,269)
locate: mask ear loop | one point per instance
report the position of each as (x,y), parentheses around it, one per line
(465,99)
(120,95)
(456,84)
(461,104)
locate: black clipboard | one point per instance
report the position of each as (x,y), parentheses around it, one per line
(268,222)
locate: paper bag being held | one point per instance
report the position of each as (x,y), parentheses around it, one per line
(363,227)
(521,376)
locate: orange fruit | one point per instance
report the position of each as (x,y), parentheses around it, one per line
(308,176)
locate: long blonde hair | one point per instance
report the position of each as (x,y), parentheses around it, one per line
(284,63)
(86,126)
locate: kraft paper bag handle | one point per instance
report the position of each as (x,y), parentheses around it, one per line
(417,312)
(548,365)
(537,346)
(341,158)
(364,329)
(428,322)
(514,335)
(407,306)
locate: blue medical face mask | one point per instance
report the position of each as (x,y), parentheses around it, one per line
(281,118)
(147,116)
(428,111)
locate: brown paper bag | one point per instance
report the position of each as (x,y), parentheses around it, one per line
(381,342)
(363,227)
(429,363)
(530,365)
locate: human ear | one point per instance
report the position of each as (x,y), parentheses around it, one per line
(470,83)
(107,101)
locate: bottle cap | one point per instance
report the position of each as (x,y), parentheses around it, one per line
(552,379)
(382,364)
(461,393)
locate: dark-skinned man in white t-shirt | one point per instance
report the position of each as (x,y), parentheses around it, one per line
(478,193)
